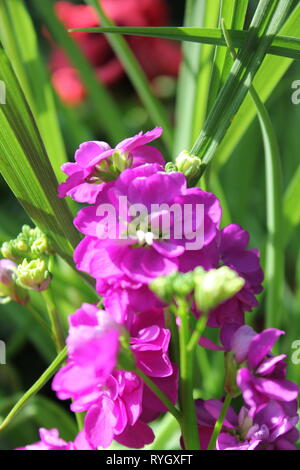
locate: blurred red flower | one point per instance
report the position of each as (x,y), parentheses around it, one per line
(157,56)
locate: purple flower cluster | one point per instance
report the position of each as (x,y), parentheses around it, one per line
(270,413)
(117,403)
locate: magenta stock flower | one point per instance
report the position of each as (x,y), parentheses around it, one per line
(114,399)
(50,440)
(263,378)
(273,428)
(96,163)
(146,251)
(93,344)
(234,253)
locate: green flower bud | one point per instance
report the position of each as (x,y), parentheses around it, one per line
(183,284)
(190,166)
(163,287)
(33,275)
(216,286)
(170,167)
(6,250)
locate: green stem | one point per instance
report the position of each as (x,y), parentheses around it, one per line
(199,329)
(137,77)
(187,403)
(44,378)
(163,398)
(219,423)
(275,249)
(56,326)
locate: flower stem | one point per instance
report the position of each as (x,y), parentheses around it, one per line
(200,327)
(219,423)
(187,404)
(163,398)
(56,326)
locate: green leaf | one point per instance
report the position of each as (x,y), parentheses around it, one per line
(105,107)
(137,76)
(25,166)
(283,45)
(267,78)
(264,27)
(20,42)
(36,387)
(187,84)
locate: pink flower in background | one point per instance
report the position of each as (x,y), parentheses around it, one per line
(50,440)
(95,165)
(150,52)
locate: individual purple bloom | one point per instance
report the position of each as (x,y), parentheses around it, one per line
(115,413)
(273,428)
(233,252)
(50,440)
(96,164)
(113,399)
(93,344)
(264,376)
(147,252)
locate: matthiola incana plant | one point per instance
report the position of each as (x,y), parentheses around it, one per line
(137,273)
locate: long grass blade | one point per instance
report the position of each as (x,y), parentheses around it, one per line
(105,107)
(138,78)
(283,45)
(25,166)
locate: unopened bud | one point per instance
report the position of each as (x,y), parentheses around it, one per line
(33,275)
(170,167)
(190,166)
(216,286)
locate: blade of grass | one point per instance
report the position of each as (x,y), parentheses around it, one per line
(266,80)
(20,42)
(242,73)
(25,167)
(137,76)
(205,76)
(274,252)
(105,107)
(36,387)
(284,45)
(187,85)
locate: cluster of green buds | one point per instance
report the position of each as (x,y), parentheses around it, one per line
(188,164)
(30,252)
(210,288)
